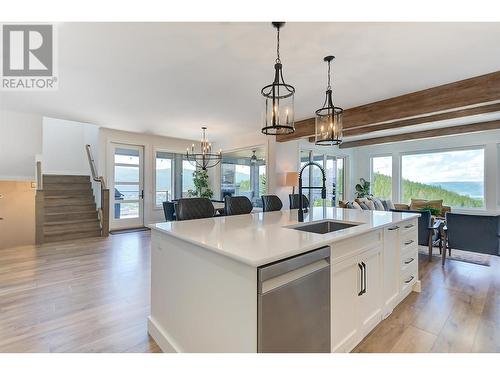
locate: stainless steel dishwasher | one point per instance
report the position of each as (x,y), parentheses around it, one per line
(294,304)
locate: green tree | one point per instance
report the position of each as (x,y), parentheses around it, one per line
(200,182)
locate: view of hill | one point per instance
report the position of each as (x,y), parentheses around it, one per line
(382,186)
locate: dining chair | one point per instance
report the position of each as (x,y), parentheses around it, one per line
(271,203)
(169,210)
(294,201)
(194,208)
(237,205)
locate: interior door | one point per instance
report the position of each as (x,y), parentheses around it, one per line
(127,186)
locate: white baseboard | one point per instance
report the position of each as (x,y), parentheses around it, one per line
(161,337)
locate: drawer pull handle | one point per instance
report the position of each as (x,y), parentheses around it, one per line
(394,228)
(409,226)
(408,242)
(408,261)
(409,280)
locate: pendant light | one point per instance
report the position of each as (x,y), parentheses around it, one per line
(205,158)
(278,98)
(253,159)
(328,130)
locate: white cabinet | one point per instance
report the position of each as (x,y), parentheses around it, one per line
(391,261)
(356,306)
(369,300)
(346,284)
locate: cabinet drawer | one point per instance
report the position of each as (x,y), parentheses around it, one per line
(409,277)
(344,249)
(409,226)
(409,258)
(409,240)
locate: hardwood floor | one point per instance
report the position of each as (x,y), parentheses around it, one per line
(92,295)
(89,295)
(458,310)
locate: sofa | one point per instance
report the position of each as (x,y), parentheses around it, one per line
(371,203)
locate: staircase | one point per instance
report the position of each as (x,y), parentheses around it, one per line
(69,208)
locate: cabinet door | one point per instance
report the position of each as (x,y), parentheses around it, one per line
(370,311)
(346,284)
(391,267)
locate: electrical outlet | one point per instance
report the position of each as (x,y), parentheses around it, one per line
(33,185)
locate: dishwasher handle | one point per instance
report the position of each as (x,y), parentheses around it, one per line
(282,267)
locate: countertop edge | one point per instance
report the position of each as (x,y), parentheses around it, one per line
(283,255)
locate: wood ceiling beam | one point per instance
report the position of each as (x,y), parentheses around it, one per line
(415,108)
(452,130)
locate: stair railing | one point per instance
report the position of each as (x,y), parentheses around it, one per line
(103,211)
(39,205)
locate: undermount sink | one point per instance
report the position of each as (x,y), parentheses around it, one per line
(324,227)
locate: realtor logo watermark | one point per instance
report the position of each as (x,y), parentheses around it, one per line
(28,61)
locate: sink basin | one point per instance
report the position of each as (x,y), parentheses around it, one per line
(324,227)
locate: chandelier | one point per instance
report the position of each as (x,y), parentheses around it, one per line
(279,98)
(328,130)
(205,158)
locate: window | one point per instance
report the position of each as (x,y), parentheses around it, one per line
(164,177)
(312,177)
(174,177)
(187,177)
(456,177)
(242,176)
(340,179)
(381,177)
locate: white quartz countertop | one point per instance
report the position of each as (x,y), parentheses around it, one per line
(260,238)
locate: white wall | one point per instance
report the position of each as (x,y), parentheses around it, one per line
(489,140)
(20,141)
(64,146)
(151,144)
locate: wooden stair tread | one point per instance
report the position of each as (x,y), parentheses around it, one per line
(71,231)
(79,221)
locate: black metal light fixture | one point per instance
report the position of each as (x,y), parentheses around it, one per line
(205,158)
(279,98)
(328,130)
(253,159)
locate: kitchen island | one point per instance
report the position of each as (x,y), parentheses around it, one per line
(204,274)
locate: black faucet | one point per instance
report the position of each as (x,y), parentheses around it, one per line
(323,188)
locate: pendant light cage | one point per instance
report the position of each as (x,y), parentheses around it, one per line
(278,114)
(205,158)
(328,130)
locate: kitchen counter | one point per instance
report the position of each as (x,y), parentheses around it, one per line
(260,238)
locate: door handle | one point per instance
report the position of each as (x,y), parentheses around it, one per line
(142,194)
(394,228)
(361,273)
(364,276)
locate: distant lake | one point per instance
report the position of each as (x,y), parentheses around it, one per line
(473,189)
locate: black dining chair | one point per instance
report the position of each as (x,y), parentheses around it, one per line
(271,203)
(194,208)
(169,211)
(476,233)
(294,201)
(237,205)
(427,229)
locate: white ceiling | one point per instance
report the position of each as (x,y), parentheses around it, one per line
(172,78)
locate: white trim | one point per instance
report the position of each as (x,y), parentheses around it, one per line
(172,177)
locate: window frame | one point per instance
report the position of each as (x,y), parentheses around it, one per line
(383,155)
(442,150)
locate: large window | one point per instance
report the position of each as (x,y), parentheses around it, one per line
(381,176)
(173,177)
(456,177)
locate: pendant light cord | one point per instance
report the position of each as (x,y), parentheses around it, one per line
(329,87)
(278,46)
